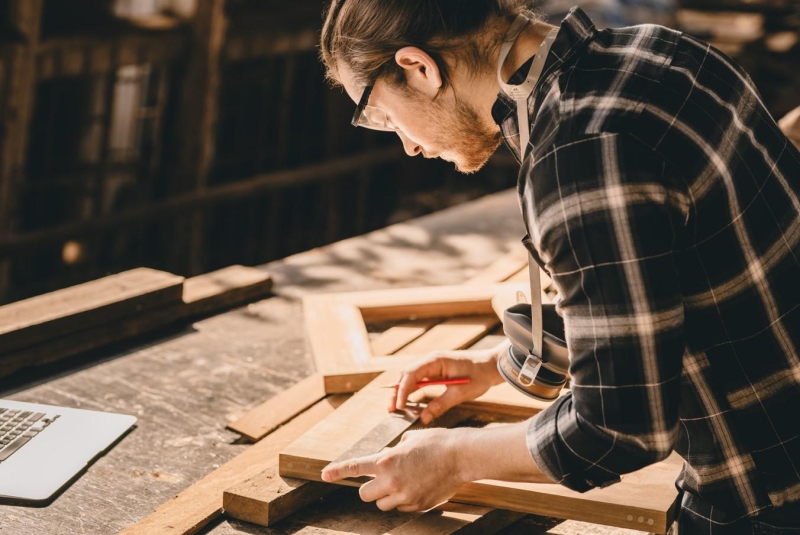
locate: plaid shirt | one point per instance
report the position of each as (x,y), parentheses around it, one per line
(664,201)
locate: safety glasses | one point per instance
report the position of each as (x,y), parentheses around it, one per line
(370,116)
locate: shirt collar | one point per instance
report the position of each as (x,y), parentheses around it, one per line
(576,28)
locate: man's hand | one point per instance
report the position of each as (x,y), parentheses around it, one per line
(417,474)
(479,366)
(427,467)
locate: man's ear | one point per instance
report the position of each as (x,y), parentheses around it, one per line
(422,72)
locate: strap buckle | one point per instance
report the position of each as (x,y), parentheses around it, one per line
(529,370)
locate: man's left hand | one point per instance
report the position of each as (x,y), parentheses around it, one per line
(417,474)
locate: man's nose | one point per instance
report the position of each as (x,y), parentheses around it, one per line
(411,148)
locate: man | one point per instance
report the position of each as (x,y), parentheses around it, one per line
(664,202)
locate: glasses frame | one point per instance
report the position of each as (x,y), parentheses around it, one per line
(362,106)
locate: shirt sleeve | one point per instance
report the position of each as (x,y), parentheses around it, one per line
(605,221)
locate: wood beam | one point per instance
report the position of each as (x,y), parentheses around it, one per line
(16,111)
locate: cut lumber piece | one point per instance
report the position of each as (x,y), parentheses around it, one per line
(276,411)
(87,305)
(225,288)
(267,497)
(399,336)
(456,333)
(196,506)
(335,324)
(197,300)
(648,494)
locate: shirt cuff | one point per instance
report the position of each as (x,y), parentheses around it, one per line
(569,450)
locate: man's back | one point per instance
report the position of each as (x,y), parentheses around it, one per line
(665,202)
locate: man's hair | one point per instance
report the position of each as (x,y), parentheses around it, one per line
(365,34)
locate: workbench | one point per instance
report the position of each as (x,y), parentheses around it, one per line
(185,386)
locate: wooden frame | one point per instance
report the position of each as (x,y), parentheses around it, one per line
(335,324)
(642,500)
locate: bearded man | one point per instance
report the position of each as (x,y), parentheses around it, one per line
(663,201)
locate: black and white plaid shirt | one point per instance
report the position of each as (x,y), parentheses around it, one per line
(664,201)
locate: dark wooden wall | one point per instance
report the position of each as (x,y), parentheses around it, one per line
(232,150)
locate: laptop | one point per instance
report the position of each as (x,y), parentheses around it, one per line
(42,447)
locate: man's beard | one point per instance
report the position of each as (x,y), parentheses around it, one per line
(472,141)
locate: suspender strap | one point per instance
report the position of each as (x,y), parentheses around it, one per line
(536,307)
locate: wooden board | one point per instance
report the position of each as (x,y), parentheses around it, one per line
(395,338)
(235,285)
(456,333)
(335,324)
(276,411)
(196,506)
(648,494)
(223,289)
(87,305)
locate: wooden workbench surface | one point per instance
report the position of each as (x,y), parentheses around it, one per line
(185,387)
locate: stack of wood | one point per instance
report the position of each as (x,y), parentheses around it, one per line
(299,431)
(62,324)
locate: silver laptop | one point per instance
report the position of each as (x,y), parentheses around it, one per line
(42,447)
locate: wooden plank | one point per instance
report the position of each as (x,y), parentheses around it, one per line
(399,336)
(98,302)
(196,506)
(456,333)
(196,132)
(649,493)
(276,411)
(224,288)
(17,105)
(503,268)
(268,497)
(239,289)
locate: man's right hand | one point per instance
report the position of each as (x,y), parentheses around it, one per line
(480,366)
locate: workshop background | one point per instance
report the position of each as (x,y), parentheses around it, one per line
(188,135)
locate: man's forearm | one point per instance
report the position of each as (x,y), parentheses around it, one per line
(496,453)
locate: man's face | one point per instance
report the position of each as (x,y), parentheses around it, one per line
(441,127)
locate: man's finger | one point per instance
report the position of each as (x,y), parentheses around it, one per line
(374,490)
(387,503)
(431,369)
(361,466)
(436,407)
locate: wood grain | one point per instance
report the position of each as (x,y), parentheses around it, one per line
(196,506)
(395,338)
(276,411)
(87,305)
(204,294)
(456,333)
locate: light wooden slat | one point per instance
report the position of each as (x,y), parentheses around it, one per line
(93,303)
(649,493)
(399,336)
(503,268)
(456,333)
(276,411)
(196,506)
